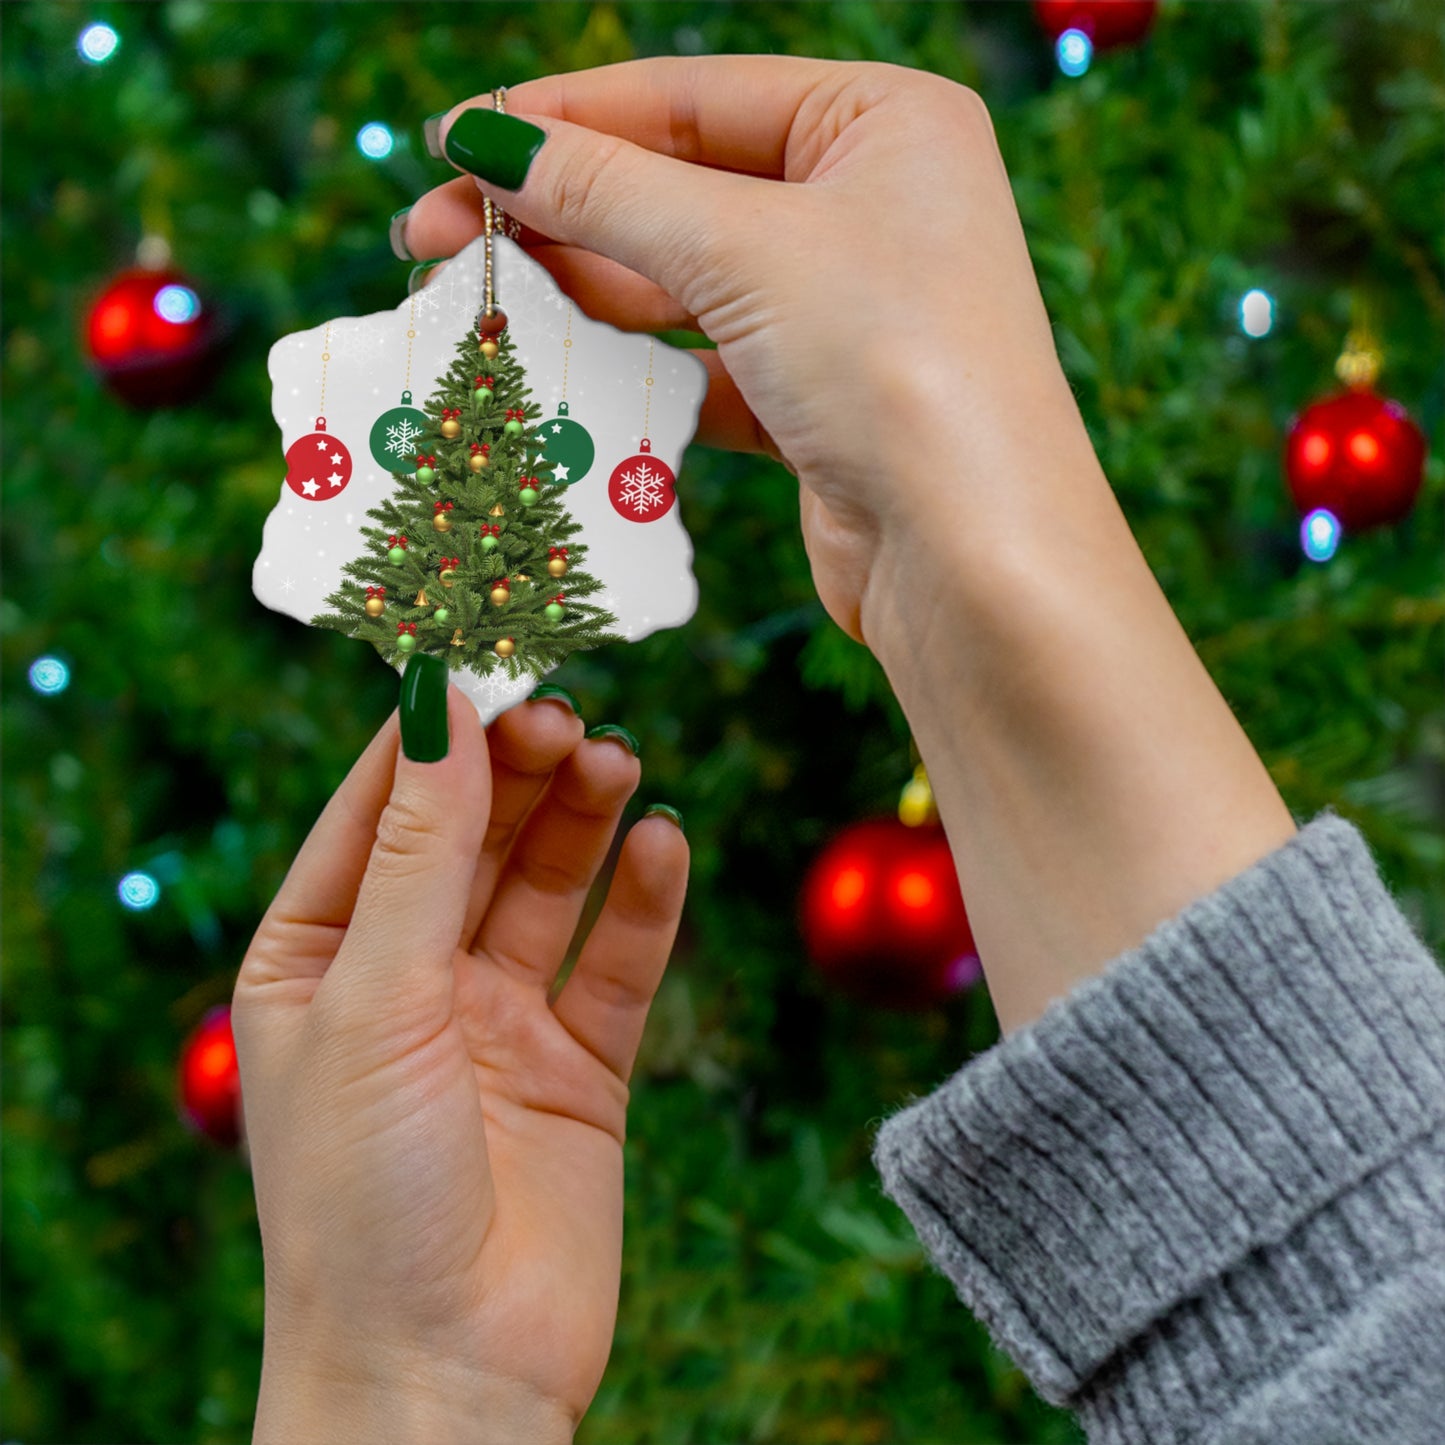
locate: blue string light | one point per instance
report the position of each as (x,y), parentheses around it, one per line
(1074,51)
(138,891)
(49,675)
(97,44)
(1256,313)
(177,304)
(1319,535)
(375,140)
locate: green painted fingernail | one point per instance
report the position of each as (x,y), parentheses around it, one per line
(396,234)
(498,148)
(431,133)
(550,689)
(663,810)
(412,284)
(614,730)
(424,733)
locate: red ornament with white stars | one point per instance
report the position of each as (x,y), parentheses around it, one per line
(642,488)
(1357,455)
(318,467)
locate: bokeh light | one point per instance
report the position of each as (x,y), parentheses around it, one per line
(49,675)
(1075,51)
(177,303)
(375,140)
(138,891)
(97,43)
(1319,535)
(1256,313)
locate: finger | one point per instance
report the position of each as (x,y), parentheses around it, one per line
(736,112)
(604,1002)
(725,419)
(654,215)
(526,744)
(445,219)
(543,887)
(302,928)
(396,959)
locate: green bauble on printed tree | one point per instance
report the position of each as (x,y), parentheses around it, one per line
(480,523)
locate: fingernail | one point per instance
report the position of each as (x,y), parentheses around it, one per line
(424,735)
(498,148)
(396,233)
(662,810)
(550,689)
(613,730)
(431,132)
(412,284)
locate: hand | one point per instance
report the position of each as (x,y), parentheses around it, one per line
(847,235)
(437,1152)
(888,284)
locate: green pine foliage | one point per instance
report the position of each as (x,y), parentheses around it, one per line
(770,1295)
(457,570)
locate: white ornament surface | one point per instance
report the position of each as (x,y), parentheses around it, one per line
(646,569)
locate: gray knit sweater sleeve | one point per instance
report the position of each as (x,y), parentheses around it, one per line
(1202,1198)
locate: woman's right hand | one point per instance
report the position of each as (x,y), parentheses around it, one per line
(846,234)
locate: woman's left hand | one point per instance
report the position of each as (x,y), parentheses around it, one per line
(437,1147)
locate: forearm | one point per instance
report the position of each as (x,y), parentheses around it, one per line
(424,1401)
(1091,778)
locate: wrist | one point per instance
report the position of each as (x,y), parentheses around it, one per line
(441,1402)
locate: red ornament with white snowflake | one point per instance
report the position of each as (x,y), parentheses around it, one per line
(318,467)
(642,488)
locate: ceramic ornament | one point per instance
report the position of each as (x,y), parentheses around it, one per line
(521,512)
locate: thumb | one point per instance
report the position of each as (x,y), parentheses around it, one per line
(395,962)
(665,219)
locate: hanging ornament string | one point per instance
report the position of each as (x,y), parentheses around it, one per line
(567,444)
(643,488)
(318,466)
(396,435)
(491,320)
(325,357)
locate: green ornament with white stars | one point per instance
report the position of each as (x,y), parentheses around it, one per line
(568,445)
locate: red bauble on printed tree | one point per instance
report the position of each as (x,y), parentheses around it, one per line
(1107,23)
(884,919)
(1358,456)
(151,338)
(210,1080)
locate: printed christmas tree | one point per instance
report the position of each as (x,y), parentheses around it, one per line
(474,557)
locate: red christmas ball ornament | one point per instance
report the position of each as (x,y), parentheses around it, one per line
(210,1081)
(883,917)
(318,466)
(1357,455)
(152,338)
(642,488)
(1107,23)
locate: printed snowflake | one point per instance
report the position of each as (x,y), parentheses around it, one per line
(643,488)
(498,687)
(429,298)
(364,343)
(402,438)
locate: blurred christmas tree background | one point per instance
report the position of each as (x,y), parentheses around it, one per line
(770,1292)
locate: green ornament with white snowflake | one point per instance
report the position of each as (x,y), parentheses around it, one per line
(397,436)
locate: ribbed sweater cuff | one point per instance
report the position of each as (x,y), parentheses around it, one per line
(1093,1177)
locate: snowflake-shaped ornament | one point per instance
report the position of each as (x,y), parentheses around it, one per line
(643,488)
(318,560)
